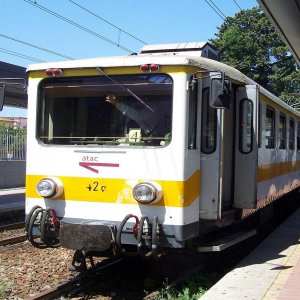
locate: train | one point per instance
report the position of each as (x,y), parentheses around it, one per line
(147,153)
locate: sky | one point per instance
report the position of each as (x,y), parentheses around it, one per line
(110,28)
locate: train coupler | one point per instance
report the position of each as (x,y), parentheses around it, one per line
(146,235)
(42,227)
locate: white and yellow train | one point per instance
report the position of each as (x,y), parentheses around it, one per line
(151,151)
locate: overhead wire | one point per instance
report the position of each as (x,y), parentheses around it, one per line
(20,55)
(216,9)
(97,16)
(77,25)
(35,46)
(237,5)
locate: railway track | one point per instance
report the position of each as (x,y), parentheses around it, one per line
(133,279)
(83,282)
(11,236)
(81,286)
(13,240)
(76,284)
(18,225)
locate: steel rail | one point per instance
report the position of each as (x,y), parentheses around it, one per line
(12,226)
(13,240)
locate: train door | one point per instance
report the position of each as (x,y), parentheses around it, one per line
(246,147)
(210,162)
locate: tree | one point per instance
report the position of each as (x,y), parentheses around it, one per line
(250,43)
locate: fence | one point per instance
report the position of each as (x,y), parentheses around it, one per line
(12,144)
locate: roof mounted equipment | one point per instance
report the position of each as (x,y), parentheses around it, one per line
(202,49)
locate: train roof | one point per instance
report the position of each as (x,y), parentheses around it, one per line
(161,59)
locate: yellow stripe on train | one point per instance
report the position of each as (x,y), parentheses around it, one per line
(112,190)
(269,171)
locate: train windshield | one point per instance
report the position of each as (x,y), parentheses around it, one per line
(120,110)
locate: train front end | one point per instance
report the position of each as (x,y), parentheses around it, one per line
(108,166)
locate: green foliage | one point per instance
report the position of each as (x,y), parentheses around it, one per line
(192,289)
(250,43)
(4,289)
(2,126)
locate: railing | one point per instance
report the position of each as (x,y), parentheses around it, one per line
(12,143)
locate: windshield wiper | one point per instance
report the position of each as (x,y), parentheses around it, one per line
(125,89)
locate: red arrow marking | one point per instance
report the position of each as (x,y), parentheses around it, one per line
(90,165)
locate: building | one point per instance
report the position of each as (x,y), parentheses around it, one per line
(13,86)
(14,122)
(6,121)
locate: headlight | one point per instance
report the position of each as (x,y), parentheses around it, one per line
(49,187)
(147,192)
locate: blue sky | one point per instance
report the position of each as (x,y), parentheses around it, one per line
(152,22)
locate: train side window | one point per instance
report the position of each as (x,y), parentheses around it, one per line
(282,131)
(298,136)
(246,126)
(208,125)
(192,131)
(270,127)
(292,135)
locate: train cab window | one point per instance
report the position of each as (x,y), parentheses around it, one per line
(95,111)
(246,126)
(298,136)
(208,125)
(292,135)
(270,127)
(282,131)
(192,133)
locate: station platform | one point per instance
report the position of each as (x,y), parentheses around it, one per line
(270,272)
(12,199)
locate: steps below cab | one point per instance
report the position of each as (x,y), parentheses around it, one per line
(226,241)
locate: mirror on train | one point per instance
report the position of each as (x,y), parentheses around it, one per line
(2,94)
(220,92)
